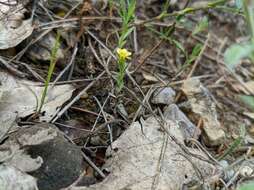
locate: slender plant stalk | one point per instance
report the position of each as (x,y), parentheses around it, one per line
(127,13)
(53,59)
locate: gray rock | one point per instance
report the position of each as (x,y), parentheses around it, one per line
(63,163)
(213,136)
(164,96)
(43,152)
(203,104)
(187,128)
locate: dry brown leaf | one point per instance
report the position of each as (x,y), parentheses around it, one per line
(13,29)
(21,98)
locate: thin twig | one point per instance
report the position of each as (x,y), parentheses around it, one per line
(105,118)
(93,165)
(199,57)
(13,70)
(60,113)
(67,66)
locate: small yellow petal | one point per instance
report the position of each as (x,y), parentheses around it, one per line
(123,53)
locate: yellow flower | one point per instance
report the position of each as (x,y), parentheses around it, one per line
(123,53)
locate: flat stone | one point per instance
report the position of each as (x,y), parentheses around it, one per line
(163,95)
(202,103)
(213,136)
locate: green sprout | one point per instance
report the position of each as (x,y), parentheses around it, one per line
(126,12)
(53,59)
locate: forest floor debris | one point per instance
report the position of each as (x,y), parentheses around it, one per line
(173,114)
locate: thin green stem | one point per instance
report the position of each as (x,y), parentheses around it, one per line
(127,13)
(216,3)
(53,60)
(185,11)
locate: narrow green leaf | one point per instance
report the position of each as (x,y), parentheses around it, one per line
(196,50)
(201,26)
(164,9)
(122,39)
(179,46)
(237,142)
(194,54)
(166,6)
(122,10)
(126,34)
(236,52)
(131,10)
